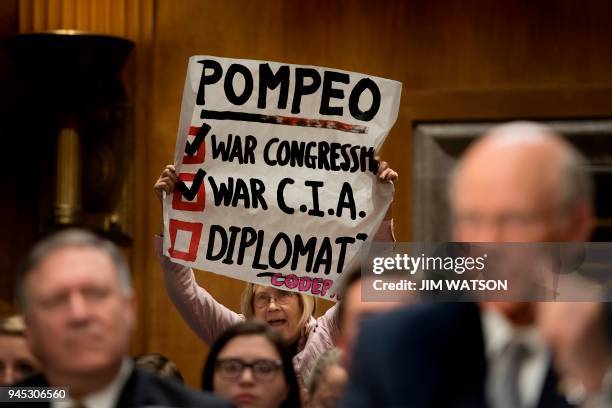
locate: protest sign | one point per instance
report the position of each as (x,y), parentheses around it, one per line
(278,170)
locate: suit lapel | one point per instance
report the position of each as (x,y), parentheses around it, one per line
(129,390)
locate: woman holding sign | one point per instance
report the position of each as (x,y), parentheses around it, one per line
(290,313)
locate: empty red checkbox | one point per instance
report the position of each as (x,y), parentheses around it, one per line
(193,228)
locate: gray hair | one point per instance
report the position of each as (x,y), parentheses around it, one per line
(577,181)
(328,359)
(72,238)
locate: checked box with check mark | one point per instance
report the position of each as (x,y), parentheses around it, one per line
(195,151)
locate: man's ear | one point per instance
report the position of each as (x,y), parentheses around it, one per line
(132,310)
(29,335)
(581,222)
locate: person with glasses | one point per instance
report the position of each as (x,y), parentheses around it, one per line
(291,314)
(251,366)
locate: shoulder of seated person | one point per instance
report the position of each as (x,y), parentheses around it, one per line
(168,392)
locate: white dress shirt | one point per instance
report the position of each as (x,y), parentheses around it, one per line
(108,396)
(498,333)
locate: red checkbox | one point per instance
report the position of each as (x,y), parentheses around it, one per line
(199,156)
(196,205)
(195,228)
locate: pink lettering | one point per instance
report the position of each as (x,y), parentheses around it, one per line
(276,281)
(327,283)
(291,281)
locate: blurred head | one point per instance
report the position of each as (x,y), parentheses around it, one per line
(251,366)
(351,311)
(77,300)
(16,360)
(158,364)
(327,380)
(521,182)
(286,312)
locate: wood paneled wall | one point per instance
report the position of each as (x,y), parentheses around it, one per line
(9,243)
(458,60)
(124,18)
(467,60)
(133,19)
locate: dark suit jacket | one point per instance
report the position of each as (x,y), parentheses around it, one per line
(425,356)
(144,389)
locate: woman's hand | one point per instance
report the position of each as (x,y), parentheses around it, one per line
(166,182)
(385,173)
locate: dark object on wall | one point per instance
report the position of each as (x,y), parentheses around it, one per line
(76,117)
(437,147)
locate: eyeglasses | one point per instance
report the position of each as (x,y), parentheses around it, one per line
(263,370)
(262,299)
(507,221)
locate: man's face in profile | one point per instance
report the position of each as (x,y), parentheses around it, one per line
(78,318)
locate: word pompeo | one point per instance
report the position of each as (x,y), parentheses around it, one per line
(442,284)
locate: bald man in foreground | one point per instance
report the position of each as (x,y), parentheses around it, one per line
(520,182)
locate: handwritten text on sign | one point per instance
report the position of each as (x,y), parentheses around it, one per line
(277,164)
